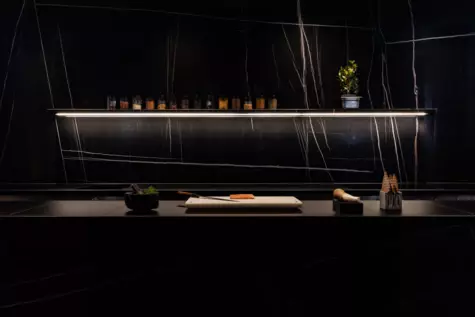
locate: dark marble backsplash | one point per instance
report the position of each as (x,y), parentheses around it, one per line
(241,150)
(74,55)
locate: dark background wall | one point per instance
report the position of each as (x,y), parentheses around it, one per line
(91,52)
(445,74)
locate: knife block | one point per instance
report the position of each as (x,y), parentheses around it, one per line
(390,201)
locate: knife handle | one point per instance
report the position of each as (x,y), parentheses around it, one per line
(136,189)
(186,193)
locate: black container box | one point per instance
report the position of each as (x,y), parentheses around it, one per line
(347,207)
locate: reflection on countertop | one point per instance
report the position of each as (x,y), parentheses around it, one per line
(18,206)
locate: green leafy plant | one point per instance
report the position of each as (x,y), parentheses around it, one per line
(150,191)
(348,78)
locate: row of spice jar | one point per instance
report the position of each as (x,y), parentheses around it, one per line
(223,103)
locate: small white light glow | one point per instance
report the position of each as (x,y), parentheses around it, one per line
(238,115)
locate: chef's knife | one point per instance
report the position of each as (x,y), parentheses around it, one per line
(206,197)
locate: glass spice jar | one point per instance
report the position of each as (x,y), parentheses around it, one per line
(185,102)
(150,104)
(111,103)
(162,104)
(210,102)
(124,103)
(197,102)
(273,103)
(260,103)
(247,103)
(236,103)
(137,103)
(173,105)
(223,103)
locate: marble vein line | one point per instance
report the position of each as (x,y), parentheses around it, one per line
(395,148)
(319,66)
(304,58)
(78,142)
(224,165)
(414,74)
(174,54)
(45,298)
(76,128)
(276,68)
(304,134)
(443,37)
(292,55)
(416,92)
(312,70)
(180,139)
(5,142)
(403,160)
(169,124)
(416,154)
(321,122)
(44,55)
(304,149)
(324,131)
(320,150)
(303,37)
(119,155)
(379,143)
(385,91)
(388,103)
(393,120)
(49,88)
(351,158)
(204,16)
(385,98)
(383,60)
(61,151)
(370,99)
(41,279)
(64,66)
(387,80)
(10,54)
(391,106)
(299,138)
(369,74)
(168,65)
(291,86)
(378,16)
(372,143)
(56,296)
(303,40)
(246,69)
(307,149)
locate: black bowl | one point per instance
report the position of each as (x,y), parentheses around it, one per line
(141,202)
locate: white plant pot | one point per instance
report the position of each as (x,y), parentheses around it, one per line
(350,101)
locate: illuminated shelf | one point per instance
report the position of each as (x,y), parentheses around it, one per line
(313,113)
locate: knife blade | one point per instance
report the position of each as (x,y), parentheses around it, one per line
(205,197)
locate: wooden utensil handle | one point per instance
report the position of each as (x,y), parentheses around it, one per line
(186,193)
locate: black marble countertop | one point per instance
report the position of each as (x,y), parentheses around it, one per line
(16,206)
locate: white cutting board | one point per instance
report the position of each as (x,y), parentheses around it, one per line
(257,202)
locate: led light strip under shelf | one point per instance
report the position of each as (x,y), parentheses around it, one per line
(167,114)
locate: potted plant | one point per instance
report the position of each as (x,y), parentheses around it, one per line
(349,85)
(142,200)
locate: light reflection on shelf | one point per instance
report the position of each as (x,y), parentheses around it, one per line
(168,114)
